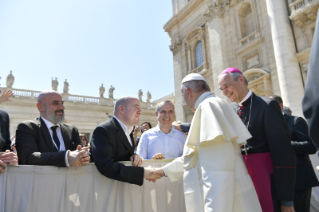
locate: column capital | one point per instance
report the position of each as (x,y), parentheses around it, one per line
(175,46)
(215,8)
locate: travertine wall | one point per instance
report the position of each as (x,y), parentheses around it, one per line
(268,43)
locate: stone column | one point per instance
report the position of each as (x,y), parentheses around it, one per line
(189,58)
(218,61)
(290,82)
(204,53)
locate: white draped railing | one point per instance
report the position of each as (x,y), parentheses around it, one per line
(48,188)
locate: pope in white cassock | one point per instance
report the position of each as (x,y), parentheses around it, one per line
(212,168)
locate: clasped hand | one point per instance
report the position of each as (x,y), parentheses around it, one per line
(10,158)
(152,174)
(79,157)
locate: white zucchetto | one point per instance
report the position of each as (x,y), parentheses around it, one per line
(193,76)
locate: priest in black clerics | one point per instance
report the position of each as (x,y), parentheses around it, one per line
(268,155)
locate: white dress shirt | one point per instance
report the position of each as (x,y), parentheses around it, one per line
(59,134)
(127,130)
(155,141)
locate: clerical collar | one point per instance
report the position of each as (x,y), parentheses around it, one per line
(202,97)
(246,97)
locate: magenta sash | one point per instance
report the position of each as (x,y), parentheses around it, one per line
(259,167)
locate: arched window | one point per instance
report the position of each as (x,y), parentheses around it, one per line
(199,54)
(246,20)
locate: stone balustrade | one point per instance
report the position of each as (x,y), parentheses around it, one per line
(248,39)
(29,94)
(302,11)
(200,69)
(25,93)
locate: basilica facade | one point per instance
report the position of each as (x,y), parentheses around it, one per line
(269,40)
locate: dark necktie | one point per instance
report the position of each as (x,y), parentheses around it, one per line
(55,136)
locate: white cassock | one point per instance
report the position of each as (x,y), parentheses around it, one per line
(214,173)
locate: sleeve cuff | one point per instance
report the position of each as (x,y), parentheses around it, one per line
(287,203)
(66,159)
(185,127)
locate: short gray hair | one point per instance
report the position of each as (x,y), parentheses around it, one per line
(121,101)
(196,86)
(160,104)
(234,76)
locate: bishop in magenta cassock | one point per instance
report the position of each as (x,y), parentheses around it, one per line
(268,155)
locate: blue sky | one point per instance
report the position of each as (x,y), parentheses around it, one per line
(87,42)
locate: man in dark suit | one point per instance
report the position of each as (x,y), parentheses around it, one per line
(268,155)
(303,147)
(310,102)
(47,140)
(112,141)
(8,157)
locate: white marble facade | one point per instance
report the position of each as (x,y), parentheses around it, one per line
(270,44)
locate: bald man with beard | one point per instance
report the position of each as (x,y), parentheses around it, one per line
(47,140)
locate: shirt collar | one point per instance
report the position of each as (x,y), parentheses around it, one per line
(202,97)
(158,130)
(127,130)
(48,123)
(246,97)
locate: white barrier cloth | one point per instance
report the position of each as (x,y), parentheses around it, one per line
(49,188)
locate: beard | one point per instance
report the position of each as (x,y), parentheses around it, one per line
(52,117)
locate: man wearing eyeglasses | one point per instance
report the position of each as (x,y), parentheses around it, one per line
(162,141)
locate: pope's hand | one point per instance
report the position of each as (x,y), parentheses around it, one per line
(151,175)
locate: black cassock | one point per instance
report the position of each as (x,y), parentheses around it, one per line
(270,133)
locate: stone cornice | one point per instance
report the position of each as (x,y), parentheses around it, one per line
(189,7)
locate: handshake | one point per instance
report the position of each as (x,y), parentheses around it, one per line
(152,174)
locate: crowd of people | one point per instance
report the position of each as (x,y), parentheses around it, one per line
(249,155)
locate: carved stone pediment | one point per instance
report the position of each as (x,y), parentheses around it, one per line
(258,81)
(195,35)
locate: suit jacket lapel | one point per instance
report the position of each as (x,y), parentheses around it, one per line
(46,134)
(122,136)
